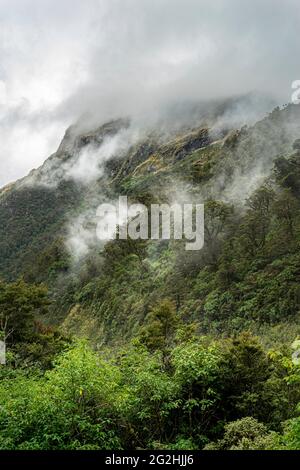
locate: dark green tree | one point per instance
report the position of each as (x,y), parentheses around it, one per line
(19,303)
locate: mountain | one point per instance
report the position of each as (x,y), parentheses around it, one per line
(110,288)
(142,344)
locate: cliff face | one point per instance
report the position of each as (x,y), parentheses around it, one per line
(115,284)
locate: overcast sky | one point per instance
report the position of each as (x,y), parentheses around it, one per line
(62,58)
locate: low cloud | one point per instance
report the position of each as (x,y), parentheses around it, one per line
(148,59)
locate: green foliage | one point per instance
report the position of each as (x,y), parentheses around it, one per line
(72,406)
(160,326)
(150,397)
(91,400)
(175,363)
(290,440)
(244,434)
(19,303)
(31,220)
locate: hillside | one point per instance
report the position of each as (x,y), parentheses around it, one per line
(199,164)
(193,342)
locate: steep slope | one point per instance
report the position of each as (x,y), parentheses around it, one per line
(107,293)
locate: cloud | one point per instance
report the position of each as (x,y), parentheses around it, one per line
(61,59)
(88,165)
(42,62)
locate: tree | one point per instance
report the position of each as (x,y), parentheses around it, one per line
(73,406)
(254,229)
(244,434)
(246,368)
(286,209)
(217,216)
(197,373)
(161,325)
(19,303)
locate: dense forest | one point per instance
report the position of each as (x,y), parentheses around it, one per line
(140,344)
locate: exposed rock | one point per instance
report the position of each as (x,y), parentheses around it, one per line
(178,148)
(74,138)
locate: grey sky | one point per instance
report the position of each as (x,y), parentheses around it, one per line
(62,58)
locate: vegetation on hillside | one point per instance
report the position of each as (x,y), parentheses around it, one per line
(143,344)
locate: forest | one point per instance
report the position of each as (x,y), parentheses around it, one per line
(142,344)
